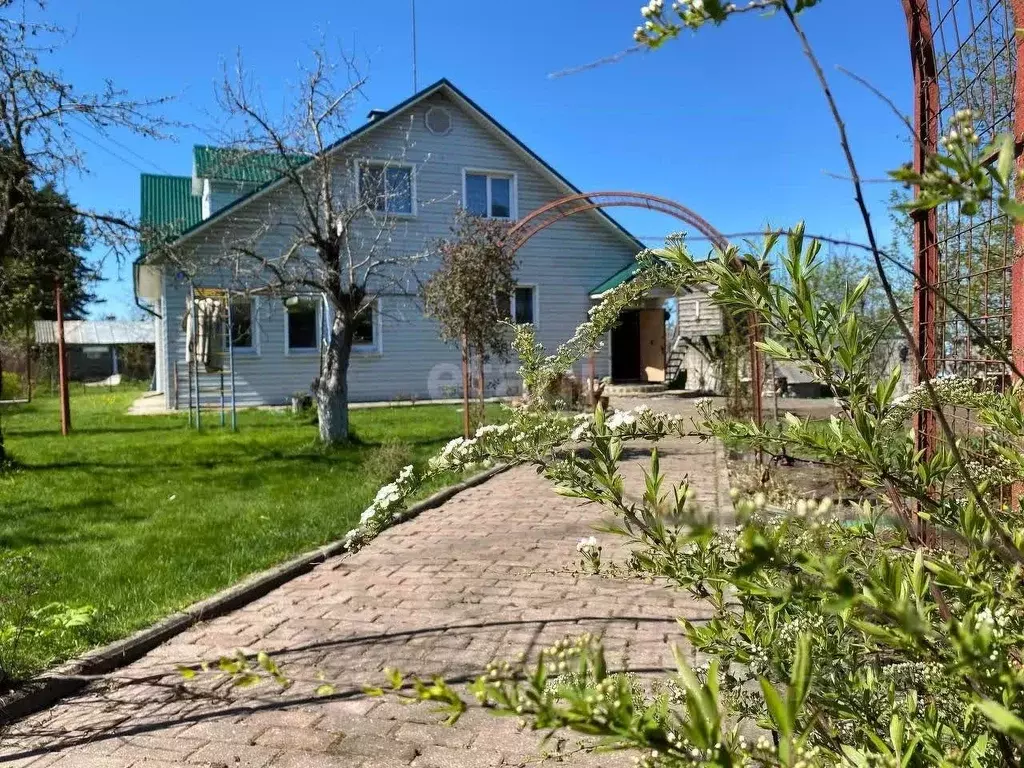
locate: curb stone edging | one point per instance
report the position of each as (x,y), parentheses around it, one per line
(71,676)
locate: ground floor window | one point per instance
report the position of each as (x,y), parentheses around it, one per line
(302,326)
(524,300)
(366,329)
(242,314)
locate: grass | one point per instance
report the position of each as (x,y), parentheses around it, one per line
(139,516)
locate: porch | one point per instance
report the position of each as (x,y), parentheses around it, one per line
(652,343)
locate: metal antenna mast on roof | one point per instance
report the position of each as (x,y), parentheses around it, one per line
(415,85)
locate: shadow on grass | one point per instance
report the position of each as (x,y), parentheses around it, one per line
(48,532)
(55,432)
(336,459)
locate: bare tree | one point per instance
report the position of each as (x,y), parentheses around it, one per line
(40,113)
(324,227)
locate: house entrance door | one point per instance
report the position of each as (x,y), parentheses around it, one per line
(652,344)
(626,363)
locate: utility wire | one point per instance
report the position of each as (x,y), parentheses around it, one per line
(96,143)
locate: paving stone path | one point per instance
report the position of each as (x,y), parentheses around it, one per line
(490,574)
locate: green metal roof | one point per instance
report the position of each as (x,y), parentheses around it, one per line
(242,165)
(168,205)
(620,277)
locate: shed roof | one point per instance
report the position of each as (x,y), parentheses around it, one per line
(96,332)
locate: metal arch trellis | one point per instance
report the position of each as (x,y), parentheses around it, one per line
(569,205)
(964,55)
(556,210)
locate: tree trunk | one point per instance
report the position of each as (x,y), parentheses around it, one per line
(332,387)
(465,386)
(481,385)
(3,451)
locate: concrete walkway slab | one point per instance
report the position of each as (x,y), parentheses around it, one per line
(488,575)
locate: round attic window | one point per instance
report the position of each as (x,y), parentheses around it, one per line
(438,120)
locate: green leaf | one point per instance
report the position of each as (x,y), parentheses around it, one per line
(800,676)
(896,733)
(1012,208)
(267,663)
(1003,719)
(695,691)
(325,689)
(778,712)
(1004,167)
(186,672)
(395,677)
(855,756)
(246,680)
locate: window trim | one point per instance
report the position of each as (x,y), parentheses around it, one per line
(376,348)
(536,304)
(370,161)
(489,173)
(254,349)
(318,302)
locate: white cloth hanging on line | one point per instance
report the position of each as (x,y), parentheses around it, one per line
(204,336)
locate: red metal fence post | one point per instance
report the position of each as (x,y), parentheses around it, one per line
(966,56)
(62,366)
(926,254)
(1017,270)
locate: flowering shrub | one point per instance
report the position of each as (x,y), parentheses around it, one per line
(844,632)
(883,632)
(840,629)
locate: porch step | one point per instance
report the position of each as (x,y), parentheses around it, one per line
(634,389)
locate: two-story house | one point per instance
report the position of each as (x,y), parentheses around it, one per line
(454,154)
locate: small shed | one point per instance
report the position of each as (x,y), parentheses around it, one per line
(98,349)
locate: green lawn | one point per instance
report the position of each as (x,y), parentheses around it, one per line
(139,516)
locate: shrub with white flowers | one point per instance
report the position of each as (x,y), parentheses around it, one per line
(847,632)
(886,630)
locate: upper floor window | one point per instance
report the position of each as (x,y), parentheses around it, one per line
(386,187)
(490,194)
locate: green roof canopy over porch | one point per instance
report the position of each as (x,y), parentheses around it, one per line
(624,275)
(620,277)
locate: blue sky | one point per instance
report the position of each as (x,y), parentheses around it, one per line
(728,121)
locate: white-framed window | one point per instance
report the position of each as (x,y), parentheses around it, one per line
(366,337)
(523,310)
(489,193)
(387,187)
(302,324)
(244,338)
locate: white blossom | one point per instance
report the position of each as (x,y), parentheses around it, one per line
(620,419)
